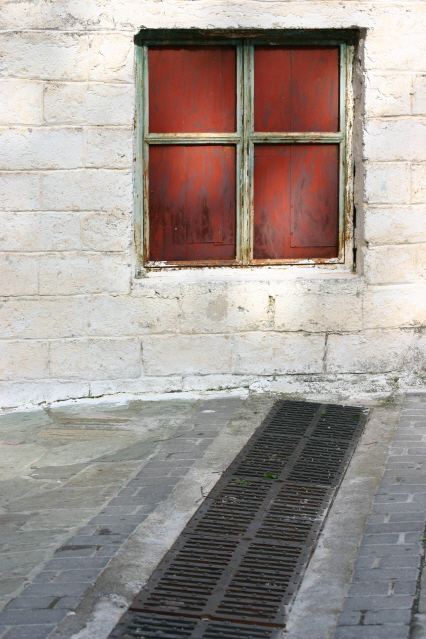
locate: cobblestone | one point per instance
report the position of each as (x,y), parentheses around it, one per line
(384,592)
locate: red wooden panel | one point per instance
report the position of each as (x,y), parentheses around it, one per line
(315,195)
(272,173)
(192,89)
(192,202)
(296,89)
(295,201)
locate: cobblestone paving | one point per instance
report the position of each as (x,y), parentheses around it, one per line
(383,594)
(60,586)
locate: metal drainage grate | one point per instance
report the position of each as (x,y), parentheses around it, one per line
(235,569)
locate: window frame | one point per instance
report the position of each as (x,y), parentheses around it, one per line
(244,138)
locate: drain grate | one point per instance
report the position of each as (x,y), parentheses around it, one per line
(235,569)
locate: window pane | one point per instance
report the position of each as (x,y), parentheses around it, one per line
(192,89)
(296,208)
(296,89)
(192,202)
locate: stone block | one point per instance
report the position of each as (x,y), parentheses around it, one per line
(21,101)
(397,52)
(405,587)
(106,232)
(387,264)
(85,103)
(111,57)
(387,182)
(72,563)
(387,631)
(169,384)
(399,224)
(400,561)
(121,315)
(26,359)
(42,317)
(57,590)
(202,383)
(95,358)
(395,139)
(418,183)
(421,260)
(318,305)
(409,23)
(39,231)
(23,393)
(187,354)
(370,588)
(44,55)
(88,190)
(40,148)
(419,94)
(378,603)
(385,575)
(18,274)
(19,191)
(380,617)
(369,352)
(74,273)
(30,603)
(278,353)
(387,94)
(222,307)
(393,306)
(75,14)
(109,147)
(33,617)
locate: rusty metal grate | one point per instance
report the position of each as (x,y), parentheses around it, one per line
(235,569)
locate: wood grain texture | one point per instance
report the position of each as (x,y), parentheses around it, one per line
(192,211)
(295,201)
(192,89)
(296,89)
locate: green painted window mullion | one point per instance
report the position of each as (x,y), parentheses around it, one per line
(246,245)
(145,150)
(240,154)
(343,169)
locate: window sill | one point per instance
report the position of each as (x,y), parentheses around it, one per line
(248,273)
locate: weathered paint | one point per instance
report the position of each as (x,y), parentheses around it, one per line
(192,202)
(296,89)
(295,201)
(192,89)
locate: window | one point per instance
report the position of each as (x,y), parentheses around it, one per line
(242,148)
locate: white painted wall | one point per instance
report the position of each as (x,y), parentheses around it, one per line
(75,322)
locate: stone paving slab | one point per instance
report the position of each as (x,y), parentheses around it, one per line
(383,598)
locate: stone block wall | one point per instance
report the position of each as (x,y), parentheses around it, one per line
(75,322)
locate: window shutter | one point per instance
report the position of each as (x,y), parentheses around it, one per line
(296,186)
(192,188)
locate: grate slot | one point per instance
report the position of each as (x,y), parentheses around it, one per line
(150,626)
(319,463)
(269,455)
(226,630)
(235,569)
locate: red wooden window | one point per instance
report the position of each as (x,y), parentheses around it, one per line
(244,146)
